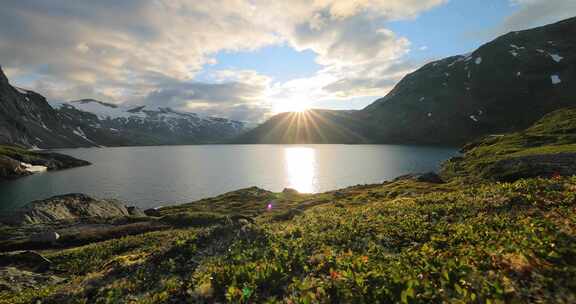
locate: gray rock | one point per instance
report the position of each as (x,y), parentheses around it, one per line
(430,177)
(15,280)
(546,165)
(25,259)
(45,237)
(135,211)
(11,168)
(65,207)
(153,212)
(290,191)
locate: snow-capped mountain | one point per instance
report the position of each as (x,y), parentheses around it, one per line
(28,120)
(112,125)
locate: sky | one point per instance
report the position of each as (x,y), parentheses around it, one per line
(245,59)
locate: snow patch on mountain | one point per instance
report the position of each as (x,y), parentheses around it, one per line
(21,91)
(556,57)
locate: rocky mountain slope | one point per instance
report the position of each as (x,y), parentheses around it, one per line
(505,85)
(27,120)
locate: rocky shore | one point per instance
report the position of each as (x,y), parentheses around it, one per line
(17,162)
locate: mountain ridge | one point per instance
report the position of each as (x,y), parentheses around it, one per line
(28,120)
(504,85)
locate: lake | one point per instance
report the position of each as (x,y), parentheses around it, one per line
(166,175)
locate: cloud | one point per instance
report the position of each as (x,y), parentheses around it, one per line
(532,13)
(151,50)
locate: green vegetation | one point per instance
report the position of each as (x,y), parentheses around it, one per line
(14,152)
(490,243)
(553,134)
(403,241)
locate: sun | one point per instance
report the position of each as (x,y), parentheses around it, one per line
(291,106)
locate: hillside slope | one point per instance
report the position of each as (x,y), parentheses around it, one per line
(505,85)
(547,148)
(27,120)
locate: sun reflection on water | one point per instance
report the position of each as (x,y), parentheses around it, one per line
(300,165)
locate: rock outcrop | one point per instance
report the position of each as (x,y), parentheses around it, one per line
(16,162)
(561,164)
(10,168)
(65,207)
(29,260)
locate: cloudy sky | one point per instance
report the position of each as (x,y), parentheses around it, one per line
(245,59)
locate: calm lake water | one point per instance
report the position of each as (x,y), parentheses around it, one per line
(167,175)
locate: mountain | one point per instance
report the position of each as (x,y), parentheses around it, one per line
(114,125)
(505,85)
(28,120)
(312,126)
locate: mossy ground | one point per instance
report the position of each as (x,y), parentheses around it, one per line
(14,152)
(554,133)
(502,242)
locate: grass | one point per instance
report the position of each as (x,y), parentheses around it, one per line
(554,133)
(14,152)
(504,242)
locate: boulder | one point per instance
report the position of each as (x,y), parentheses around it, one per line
(11,168)
(153,212)
(16,280)
(429,177)
(135,211)
(31,260)
(65,207)
(543,165)
(45,237)
(290,191)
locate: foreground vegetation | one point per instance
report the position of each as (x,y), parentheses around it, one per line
(470,239)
